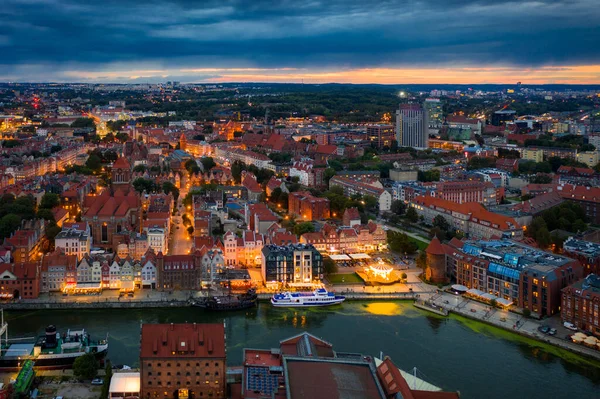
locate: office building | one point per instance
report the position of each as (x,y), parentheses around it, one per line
(381,135)
(501,117)
(435,112)
(412,126)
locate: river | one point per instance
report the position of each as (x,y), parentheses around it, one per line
(454,353)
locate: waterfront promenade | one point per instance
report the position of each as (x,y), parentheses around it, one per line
(510,321)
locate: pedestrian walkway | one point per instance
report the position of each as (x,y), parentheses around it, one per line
(507,320)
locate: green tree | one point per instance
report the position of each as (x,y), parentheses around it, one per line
(236,171)
(122,137)
(8,224)
(541,179)
(412,215)
(371,203)
(441,222)
(139,168)
(329,266)
(49,201)
(45,213)
(107,377)
(86,367)
(305,227)
(169,187)
(398,207)
(83,122)
(208,163)
(328,174)
(275,195)
(94,162)
(192,166)
(140,185)
(52,231)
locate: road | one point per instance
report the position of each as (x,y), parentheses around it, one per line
(180,242)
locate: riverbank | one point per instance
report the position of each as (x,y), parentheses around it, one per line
(468,309)
(24,304)
(410,336)
(511,322)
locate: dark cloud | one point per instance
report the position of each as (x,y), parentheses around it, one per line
(47,36)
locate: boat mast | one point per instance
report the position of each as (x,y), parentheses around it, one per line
(3,329)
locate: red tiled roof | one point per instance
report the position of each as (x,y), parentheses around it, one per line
(183,340)
(475,209)
(121,163)
(352,213)
(21,271)
(435,247)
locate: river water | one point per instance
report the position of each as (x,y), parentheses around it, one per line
(454,353)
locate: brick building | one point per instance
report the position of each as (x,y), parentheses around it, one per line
(580,303)
(586,252)
(308,207)
(180,272)
(109,214)
(183,361)
(19,280)
(526,276)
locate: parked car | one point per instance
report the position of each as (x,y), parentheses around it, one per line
(544,329)
(570,326)
(97,381)
(552,331)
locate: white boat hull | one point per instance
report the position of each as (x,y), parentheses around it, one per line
(279,304)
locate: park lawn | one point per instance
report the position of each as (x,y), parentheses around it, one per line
(421,244)
(350,278)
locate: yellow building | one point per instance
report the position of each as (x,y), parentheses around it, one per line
(590,158)
(533,155)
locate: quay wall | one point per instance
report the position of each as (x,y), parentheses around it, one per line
(22,305)
(554,341)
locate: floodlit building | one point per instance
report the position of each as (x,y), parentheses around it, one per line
(293,263)
(508,271)
(183,361)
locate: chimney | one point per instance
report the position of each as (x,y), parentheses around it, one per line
(172,327)
(210,345)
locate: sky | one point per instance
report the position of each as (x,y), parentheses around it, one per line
(310,41)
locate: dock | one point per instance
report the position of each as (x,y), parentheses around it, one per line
(431,307)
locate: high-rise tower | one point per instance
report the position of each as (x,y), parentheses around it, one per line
(412,126)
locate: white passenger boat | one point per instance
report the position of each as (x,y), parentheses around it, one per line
(320,297)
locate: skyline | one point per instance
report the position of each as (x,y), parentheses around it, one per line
(456,42)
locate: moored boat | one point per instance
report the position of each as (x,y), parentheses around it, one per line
(229,302)
(51,350)
(319,297)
